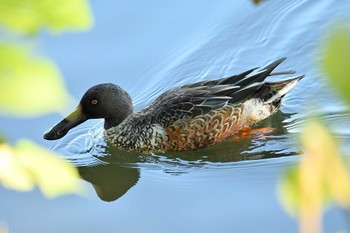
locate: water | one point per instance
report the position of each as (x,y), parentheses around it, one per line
(149,47)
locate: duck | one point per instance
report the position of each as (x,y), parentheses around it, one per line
(184,118)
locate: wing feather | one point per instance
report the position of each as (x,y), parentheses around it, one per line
(197,99)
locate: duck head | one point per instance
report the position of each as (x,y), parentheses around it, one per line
(107,101)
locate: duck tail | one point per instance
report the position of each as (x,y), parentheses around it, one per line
(273,92)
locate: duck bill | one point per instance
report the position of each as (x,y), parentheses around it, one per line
(58,131)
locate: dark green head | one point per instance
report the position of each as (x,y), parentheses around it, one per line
(107,101)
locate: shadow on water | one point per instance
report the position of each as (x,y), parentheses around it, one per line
(110,181)
(113,172)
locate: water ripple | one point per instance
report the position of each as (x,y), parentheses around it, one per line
(223,45)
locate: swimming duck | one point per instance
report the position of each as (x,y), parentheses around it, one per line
(188,117)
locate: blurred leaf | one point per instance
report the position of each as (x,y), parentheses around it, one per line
(315,140)
(53,175)
(336,60)
(28,86)
(289,191)
(319,143)
(320,176)
(3,229)
(28,164)
(12,174)
(29,16)
(2,139)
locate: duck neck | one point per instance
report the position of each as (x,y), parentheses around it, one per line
(110,123)
(117,118)
(119,108)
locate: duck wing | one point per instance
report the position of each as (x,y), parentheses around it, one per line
(197,99)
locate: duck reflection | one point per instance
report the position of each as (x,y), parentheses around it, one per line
(110,181)
(121,170)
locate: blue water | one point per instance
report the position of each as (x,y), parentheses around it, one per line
(149,47)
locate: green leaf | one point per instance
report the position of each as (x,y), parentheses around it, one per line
(288,190)
(57,15)
(27,165)
(28,86)
(2,139)
(336,60)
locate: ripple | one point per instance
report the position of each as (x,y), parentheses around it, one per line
(223,45)
(77,145)
(338,123)
(85,146)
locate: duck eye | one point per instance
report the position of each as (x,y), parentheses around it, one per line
(94,101)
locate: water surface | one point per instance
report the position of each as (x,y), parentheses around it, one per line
(148,48)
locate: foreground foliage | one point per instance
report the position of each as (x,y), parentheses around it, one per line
(31,86)
(28,165)
(322,176)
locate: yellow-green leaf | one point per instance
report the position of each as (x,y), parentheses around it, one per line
(28,164)
(53,175)
(29,86)
(288,190)
(4,229)
(2,139)
(321,176)
(320,144)
(312,167)
(12,174)
(336,60)
(57,15)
